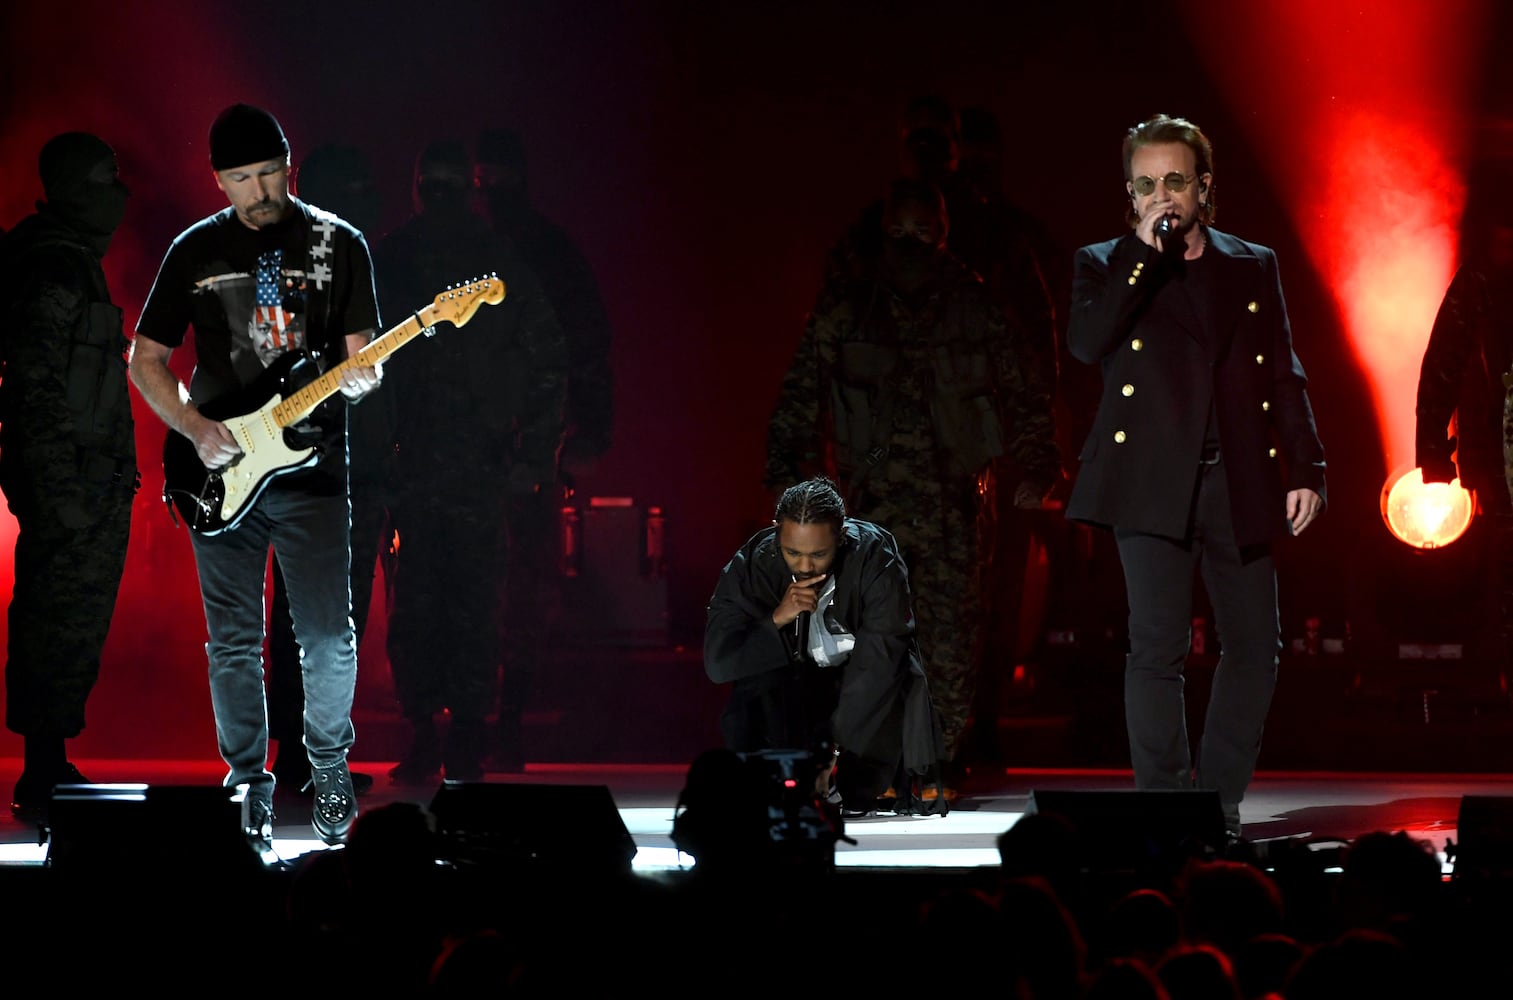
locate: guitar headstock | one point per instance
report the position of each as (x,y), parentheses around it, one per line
(459,302)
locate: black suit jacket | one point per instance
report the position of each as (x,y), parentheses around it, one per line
(1166,359)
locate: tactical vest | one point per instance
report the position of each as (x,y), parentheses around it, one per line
(952,379)
(96,383)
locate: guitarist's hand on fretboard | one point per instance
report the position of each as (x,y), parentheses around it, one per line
(359,380)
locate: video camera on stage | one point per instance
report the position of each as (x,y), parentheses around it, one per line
(802,820)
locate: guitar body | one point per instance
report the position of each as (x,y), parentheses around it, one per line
(213,501)
(266,416)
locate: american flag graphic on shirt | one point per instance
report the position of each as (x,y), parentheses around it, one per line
(270,323)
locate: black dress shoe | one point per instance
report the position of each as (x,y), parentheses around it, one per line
(33,794)
(31,797)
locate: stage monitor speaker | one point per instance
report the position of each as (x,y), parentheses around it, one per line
(1483,839)
(130,826)
(1138,830)
(529,828)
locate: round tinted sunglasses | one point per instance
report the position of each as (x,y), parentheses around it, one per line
(1174,181)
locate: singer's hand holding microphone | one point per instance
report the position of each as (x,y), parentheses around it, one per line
(801,597)
(1167,232)
(1161,225)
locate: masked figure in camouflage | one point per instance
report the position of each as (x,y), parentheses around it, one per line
(67,454)
(961,153)
(479,424)
(533,592)
(912,380)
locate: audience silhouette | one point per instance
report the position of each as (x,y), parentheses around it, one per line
(406,916)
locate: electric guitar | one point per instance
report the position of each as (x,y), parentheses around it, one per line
(261,415)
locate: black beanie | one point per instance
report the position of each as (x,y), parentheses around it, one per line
(244,134)
(67,159)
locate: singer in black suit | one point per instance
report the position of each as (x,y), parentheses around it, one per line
(1203,453)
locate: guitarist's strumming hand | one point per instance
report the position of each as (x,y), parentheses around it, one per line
(213,443)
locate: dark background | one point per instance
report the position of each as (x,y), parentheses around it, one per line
(704,156)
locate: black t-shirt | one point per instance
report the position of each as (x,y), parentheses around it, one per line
(1196,278)
(254,294)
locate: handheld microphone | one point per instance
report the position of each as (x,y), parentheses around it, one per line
(1169,232)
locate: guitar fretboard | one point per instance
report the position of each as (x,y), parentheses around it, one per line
(301,403)
(456,305)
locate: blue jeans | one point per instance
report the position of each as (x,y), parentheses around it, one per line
(1242,588)
(309,534)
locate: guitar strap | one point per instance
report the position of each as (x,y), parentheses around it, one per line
(320,273)
(320,277)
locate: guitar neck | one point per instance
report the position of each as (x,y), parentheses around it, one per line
(301,403)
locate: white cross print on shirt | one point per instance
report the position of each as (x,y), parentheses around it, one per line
(321,272)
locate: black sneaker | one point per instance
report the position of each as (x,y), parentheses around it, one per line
(335,802)
(362,783)
(293,772)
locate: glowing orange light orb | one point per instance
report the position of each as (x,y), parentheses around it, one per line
(1425,515)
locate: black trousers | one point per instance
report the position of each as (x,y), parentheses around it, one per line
(1159,575)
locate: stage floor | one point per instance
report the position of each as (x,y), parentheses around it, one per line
(1316,807)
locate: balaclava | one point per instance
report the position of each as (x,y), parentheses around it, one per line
(500,156)
(442,182)
(77,192)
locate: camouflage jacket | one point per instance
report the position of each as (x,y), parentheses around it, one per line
(485,401)
(933,384)
(64,403)
(568,281)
